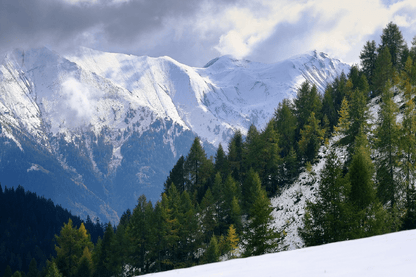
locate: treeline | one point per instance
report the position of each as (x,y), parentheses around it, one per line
(28,224)
(371,191)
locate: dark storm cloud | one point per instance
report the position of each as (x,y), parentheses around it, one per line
(59,23)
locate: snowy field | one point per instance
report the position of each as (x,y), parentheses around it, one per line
(386,255)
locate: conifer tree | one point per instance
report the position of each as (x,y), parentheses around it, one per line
(285,123)
(392,39)
(232,240)
(212,253)
(251,148)
(218,192)
(230,192)
(176,176)
(188,234)
(328,108)
(197,169)
(368,58)
(289,169)
(343,122)
(339,89)
(307,101)
(368,215)
(70,246)
(408,145)
(383,72)
(33,269)
(106,264)
(208,214)
(85,267)
(270,159)
(169,212)
(235,214)
(327,219)
(249,189)
(387,136)
(353,120)
(53,271)
(221,162)
(260,236)
(235,156)
(312,137)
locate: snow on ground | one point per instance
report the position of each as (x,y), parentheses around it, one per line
(289,206)
(385,255)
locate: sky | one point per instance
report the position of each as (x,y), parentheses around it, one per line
(194,32)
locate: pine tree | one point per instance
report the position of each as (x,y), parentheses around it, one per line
(387,136)
(212,253)
(249,189)
(218,192)
(392,39)
(106,264)
(270,159)
(327,219)
(232,240)
(33,269)
(169,212)
(188,234)
(221,162)
(285,125)
(251,148)
(408,145)
(70,246)
(85,265)
(260,236)
(328,109)
(176,176)
(383,72)
(139,233)
(307,101)
(312,137)
(368,58)
(209,219)
(53,271)
(235,156)
(197,169)
(290,167)
(368,215)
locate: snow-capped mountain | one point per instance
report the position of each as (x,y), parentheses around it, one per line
(94,130)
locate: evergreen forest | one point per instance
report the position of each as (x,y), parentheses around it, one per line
(217,208)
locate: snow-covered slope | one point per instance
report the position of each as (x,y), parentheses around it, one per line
(386,255)
(109,127)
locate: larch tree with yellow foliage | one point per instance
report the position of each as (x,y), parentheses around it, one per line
(70,247)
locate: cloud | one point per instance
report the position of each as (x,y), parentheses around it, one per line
(80,103)
(339,28)
(193,32)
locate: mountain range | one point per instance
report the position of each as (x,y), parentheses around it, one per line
(94,130)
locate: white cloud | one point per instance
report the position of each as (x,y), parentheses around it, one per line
(81,101)
(338,27)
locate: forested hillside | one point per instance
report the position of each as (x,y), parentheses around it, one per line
(28,224)
(218,208)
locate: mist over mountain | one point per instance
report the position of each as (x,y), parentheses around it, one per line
(94,130)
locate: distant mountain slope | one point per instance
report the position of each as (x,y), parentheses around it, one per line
(93,131)
(386,255)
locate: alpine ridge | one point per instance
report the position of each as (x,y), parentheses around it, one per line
(94,130)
